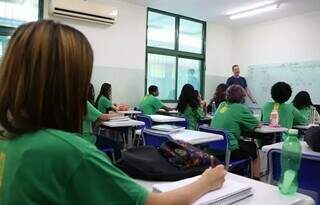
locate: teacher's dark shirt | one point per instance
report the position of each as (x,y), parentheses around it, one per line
(237,81)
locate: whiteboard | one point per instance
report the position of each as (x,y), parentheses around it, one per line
(299,75)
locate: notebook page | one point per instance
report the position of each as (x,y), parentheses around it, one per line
(229,188)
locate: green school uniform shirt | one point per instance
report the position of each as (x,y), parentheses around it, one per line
(92,115)
(234,118)
(104,104)
(192,116)
(288,114)
(150,105)
(54,167)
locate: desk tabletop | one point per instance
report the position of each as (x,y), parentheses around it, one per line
(126,123)
(305,149)
(195,137)
(305,127)
(263,194)
(267,129)
(130,112)
(165,118)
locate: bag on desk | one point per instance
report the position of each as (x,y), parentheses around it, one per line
(312,138)
(184,155)
(148,164)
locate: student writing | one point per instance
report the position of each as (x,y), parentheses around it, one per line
(43,159)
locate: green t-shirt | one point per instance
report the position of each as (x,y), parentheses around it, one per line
(92,115)
(104,104)
(234,118)
(192,116)
(150,105)
(59,168)
(288,114)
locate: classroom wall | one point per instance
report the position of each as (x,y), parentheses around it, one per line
(119,51)
(218,56)
(289,39)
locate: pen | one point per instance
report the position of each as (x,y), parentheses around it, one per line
(211,161)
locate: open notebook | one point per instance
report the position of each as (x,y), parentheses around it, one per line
(230,192)
(168,128)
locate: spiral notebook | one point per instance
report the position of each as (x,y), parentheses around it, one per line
(229,193)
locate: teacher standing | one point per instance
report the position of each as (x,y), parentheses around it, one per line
(236,79)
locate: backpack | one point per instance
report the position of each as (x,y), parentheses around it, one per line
(184,155)
(148,164)
(312,138)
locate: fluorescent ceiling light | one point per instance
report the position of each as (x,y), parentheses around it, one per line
(255,11)
(247,8)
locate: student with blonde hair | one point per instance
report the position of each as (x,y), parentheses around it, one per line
(44,83)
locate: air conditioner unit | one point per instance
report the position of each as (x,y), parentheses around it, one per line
(86,10)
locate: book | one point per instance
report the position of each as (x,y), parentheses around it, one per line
(168,128)
(119,118)
(229,193)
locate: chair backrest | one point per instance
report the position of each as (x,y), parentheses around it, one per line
(182,123)
(153,138)
(309,164)
(146,119)
(221,145)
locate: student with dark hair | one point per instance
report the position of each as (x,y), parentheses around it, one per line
(288,114)
(219,96)
(189,106)
(91,94)
(302,101)
(233,116)
(43,160)
(202,103)
(150,104)
(103,102)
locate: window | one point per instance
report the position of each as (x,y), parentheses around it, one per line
(13,14)
(175,53)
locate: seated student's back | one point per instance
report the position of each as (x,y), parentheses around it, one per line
(103,102)
(288,114)
(189,106)
(150,104)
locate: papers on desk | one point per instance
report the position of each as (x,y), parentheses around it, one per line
(230,192)
(168,128)
(119,119)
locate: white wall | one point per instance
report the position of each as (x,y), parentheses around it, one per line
(218,50)
(118,50)
(290,39)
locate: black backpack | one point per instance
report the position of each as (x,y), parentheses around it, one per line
(312,138)
(148,164)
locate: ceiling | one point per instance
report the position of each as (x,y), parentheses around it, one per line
(215,10)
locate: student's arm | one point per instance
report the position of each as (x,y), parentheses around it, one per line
(107,117)
(167,108)
(210,180)
(298,118)
(114,107)
(247,120)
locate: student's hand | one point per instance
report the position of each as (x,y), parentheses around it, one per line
(260,125)
(213,178)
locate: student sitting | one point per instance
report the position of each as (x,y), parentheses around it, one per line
(235,117)
(91,94)
(202,103)
(151,104)
(218,97)
(43,159)
(189,106)
(103,102)
(288,114)
(93,116)
(303,103)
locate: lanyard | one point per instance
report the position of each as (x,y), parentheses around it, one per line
(276,106)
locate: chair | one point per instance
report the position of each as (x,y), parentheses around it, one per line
(153,138)
(147,124)
(182,123)
(223,146)
(309,164)
(109,151)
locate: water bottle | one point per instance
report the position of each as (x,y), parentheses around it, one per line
(213,108)
(290,163)
(274,116)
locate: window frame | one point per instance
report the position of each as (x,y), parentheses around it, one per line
(175,52)
(8,31)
